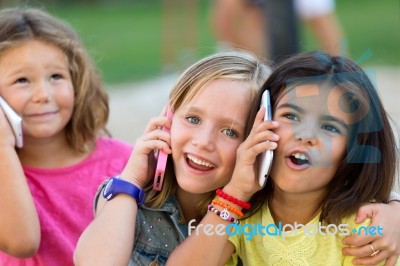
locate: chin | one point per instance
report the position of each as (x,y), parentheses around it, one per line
(194,187)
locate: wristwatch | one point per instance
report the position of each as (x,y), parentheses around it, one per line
(116,185)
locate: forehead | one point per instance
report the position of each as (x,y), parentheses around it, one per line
(225,92)
(322,98)
(30,50)
(223,97)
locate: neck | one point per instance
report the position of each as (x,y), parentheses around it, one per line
(48,153)
(189,203)
(289,208)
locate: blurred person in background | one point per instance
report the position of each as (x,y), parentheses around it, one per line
(269,28)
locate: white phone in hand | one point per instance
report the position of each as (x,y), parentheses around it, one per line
(267,156)
(15,121)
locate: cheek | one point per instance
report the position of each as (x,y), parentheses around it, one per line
(179,136)
(65,97)
(17,100)
(285,133)
(339,149)
(229,154)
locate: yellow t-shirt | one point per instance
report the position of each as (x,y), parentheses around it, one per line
(303,246)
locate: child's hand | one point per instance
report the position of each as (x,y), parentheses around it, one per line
(244,182)
(6,134)
(137,169)
(387,217)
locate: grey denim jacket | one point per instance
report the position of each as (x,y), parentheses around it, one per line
(157,232)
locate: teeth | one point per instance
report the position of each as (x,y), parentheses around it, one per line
(199,162)
(300,156)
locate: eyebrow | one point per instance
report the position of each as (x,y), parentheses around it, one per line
(292,106)
(22,70)
(325,117)
(17,71)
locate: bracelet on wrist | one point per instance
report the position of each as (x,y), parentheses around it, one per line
(224,214)
(243,204)
(228,207)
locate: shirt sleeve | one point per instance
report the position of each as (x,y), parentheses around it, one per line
(234,240)
(308,9)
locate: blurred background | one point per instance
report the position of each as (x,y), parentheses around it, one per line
(139,39)
(140,46)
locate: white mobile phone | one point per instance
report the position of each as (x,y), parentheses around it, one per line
(14,120)
(267,156)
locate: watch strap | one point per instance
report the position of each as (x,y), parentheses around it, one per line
(116,185)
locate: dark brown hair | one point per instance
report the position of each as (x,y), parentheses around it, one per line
(367,172)
(18,25)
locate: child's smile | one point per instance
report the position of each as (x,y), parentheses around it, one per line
(199,164)
(206,133)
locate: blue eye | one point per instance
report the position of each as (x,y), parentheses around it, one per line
(230,133)
(331,128)
(193,120)
(291,116)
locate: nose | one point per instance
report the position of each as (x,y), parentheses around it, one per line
(41,93)
(307,135)
(204,138)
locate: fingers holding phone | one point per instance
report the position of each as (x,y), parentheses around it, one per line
(140,167)
(14,121)
(260,139)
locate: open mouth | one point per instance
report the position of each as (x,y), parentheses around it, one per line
(299,158)
(198,163)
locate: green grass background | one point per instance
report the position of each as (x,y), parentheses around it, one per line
(125,37)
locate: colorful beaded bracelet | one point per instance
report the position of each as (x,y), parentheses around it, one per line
(243,204)
(224,214)
(226,206)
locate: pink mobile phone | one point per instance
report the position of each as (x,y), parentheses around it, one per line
(161,161)
(267,156)
(15,122)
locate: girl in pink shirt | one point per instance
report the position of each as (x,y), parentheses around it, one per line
(48,185)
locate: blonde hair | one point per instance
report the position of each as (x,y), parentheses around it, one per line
(238,66)
(18,25)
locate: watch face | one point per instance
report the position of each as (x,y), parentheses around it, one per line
(107,188)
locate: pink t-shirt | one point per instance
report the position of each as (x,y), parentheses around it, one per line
(64,201)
